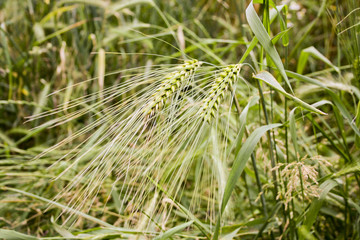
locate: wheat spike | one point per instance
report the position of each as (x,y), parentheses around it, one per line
(221,84)
(171,83)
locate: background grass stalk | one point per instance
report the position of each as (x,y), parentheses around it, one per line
(253,162)
(271,148)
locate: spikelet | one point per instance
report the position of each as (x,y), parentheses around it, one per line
(172,82)
(221,84)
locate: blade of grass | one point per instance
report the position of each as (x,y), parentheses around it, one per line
(61,31)
(56,13)
(242,120)
(335,98)
(13,235)
(312,213)
(97,3)
(270,80)
(312,51)
(238,166)
(265,40)
(174,230)
(273,14)
(197,222)
(93,219)
(5,45)
(243,129)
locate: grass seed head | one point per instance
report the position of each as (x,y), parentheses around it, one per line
(226,79)
(173,81)
(295,173)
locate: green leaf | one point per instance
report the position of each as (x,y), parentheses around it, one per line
(293,131)
(315,206)
(357,124)
(352,168)
(335,98)
(61,31)
(97,3)
(13,235)
(57,13)
(114,7)
(265,40)
(241,159)
(64,208)
(238,167)
(283,35)
(242,121)
(283,26)
(270,80)
(59,229)
(250,47)
(312,51)
(273,14)
(174,230)
(203,228)
(304,233)
(230,236)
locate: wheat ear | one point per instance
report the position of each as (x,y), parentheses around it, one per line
(172,82)
(226,79)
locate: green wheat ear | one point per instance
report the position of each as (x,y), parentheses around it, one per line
(221,84)
(172,82)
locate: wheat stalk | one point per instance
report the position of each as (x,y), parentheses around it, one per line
(356,67)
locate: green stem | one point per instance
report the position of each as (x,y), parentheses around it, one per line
(273,165)
(336,148)
(248,192)
(287,215)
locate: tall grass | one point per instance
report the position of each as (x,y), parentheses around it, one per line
(170,120)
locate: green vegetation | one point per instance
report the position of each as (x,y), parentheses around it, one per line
(151,119)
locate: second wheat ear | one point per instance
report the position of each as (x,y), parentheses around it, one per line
(222,83)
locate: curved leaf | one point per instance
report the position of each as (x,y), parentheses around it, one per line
(238,166)
(265,40)
(270,80)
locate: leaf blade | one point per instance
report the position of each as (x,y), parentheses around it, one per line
(270,80)
(238,167)
(174,230)
(265,40)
